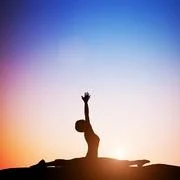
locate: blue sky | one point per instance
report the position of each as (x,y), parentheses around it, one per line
(125,53)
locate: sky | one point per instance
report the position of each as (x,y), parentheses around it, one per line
(125,53)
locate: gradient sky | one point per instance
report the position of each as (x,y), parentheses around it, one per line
(125,53)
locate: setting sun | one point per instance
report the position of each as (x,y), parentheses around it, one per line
(118,154)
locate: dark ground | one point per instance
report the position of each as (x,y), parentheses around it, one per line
(87,172)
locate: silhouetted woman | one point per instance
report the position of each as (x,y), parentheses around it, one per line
(93,143)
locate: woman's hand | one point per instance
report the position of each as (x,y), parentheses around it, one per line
(86,97)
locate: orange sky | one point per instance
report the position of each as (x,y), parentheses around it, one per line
(125,53)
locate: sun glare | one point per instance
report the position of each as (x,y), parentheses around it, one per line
(118,154)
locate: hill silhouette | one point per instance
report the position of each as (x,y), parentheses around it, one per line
(83,171)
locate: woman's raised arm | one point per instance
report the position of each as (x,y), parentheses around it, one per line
(86,98)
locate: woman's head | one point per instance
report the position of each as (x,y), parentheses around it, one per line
(80,125)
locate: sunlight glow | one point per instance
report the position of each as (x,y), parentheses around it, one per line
(118,154)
